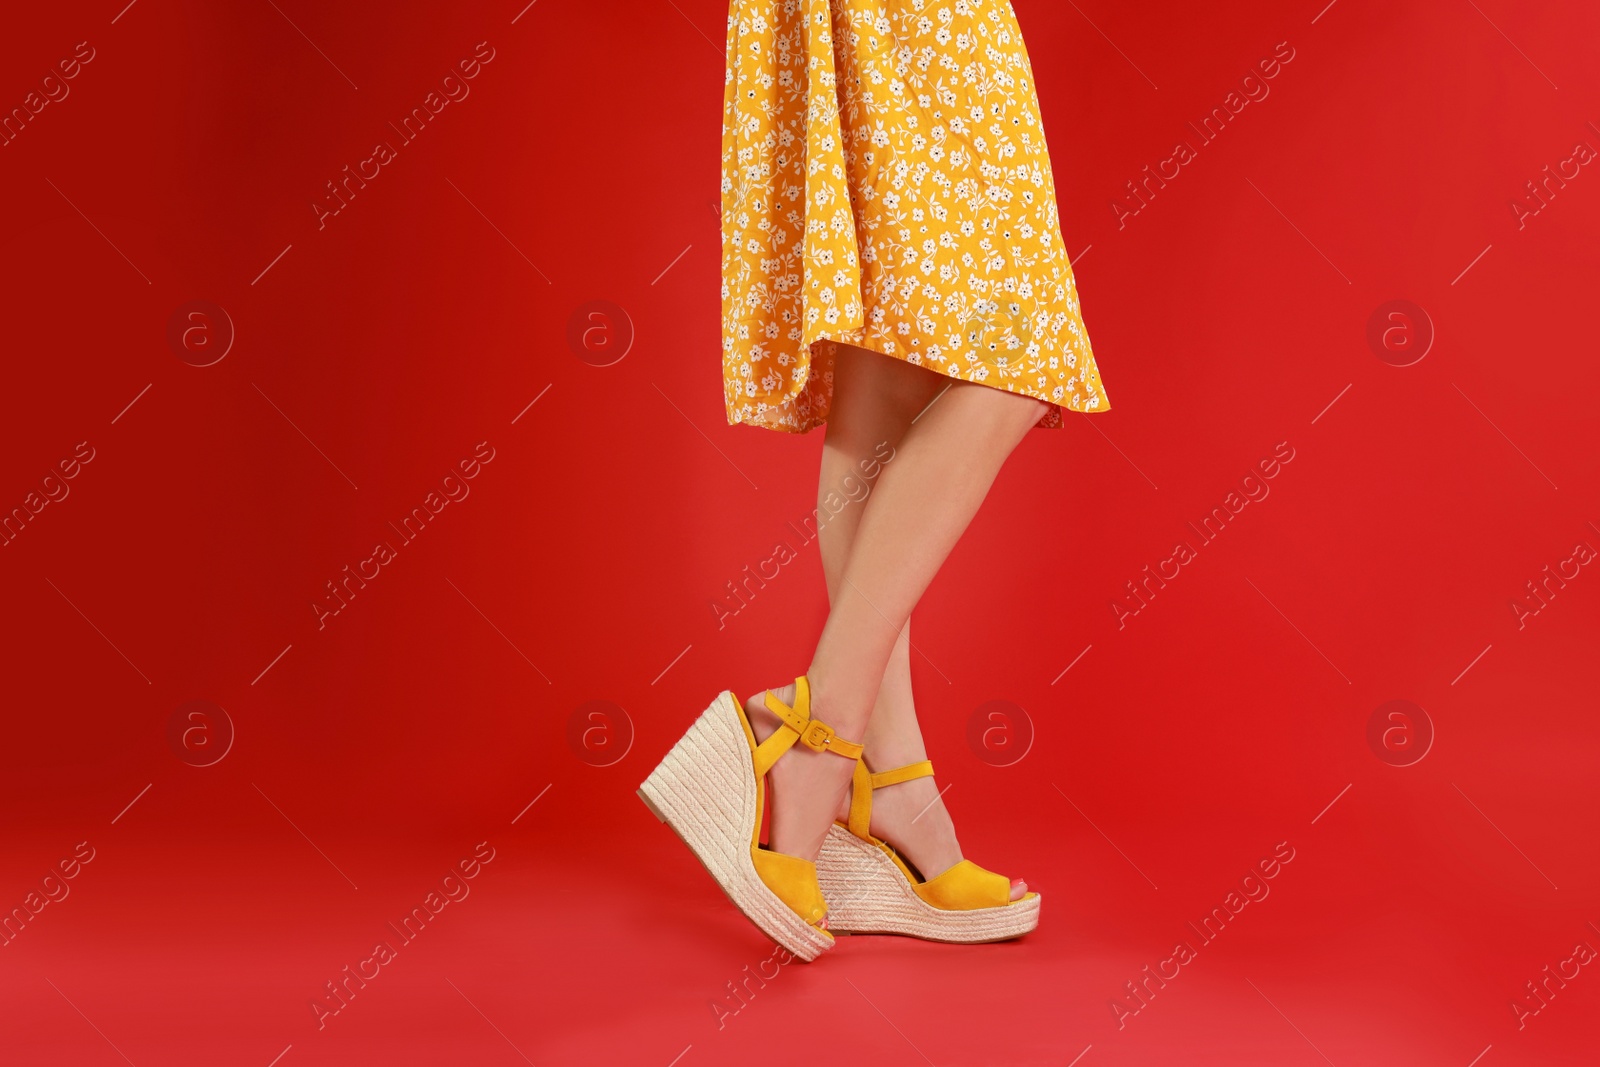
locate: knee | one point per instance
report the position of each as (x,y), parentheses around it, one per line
(853,449)
(1029,410)
(1007,416)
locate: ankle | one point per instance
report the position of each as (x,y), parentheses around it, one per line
(827,706)
(890,753)
(763,721)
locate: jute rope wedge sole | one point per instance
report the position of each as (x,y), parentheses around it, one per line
(869,894)
(870,890)
(709,789)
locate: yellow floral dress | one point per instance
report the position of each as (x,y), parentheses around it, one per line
(885,184)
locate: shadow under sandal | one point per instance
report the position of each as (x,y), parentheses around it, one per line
(873,891)
(711,789)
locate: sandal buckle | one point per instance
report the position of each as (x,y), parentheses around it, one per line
(817,736)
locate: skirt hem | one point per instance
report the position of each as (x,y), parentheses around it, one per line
(1053,419)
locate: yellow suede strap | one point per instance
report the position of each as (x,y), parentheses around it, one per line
(864,782)
(903,774)
(965,887)
(860,822)
(796,724)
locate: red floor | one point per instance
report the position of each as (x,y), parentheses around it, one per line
(1370,946)
(1410,509)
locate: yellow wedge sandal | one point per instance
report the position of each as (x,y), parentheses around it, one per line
(872,890)
(711,789)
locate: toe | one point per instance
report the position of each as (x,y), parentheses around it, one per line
(1019,888)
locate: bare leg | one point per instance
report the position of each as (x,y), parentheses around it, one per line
(924,499)
(911,815)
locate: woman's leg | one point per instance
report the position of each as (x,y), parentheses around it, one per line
(924,498)
(911,815)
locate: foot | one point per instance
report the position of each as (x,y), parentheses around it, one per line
(806,787)
(911,817)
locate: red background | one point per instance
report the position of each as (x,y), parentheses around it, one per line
(375,353)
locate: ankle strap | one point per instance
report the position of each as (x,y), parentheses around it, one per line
(796,724)
(903,774)
(864,782)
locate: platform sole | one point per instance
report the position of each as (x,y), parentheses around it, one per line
(705,789)
(868,894)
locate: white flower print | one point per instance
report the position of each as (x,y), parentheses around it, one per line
(888,186)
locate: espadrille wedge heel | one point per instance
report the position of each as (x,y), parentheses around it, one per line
(874,891)
(711,789)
